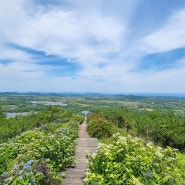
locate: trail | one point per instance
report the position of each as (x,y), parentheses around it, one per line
(74,176)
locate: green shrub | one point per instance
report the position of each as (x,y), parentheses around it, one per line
(131,161)
(36,157)
(100,128)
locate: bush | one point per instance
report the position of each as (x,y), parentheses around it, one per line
(36,157)
(100,128)
(131,161)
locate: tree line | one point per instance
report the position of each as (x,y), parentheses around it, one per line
(163,128)
(10,127)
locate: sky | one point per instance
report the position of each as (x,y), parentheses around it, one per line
(105,46)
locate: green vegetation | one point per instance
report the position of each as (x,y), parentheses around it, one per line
(21,102)
(165,129)
(13,126)
(37,156)
(99,128)
(131,161)
(36,147)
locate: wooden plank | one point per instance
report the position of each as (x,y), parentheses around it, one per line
(74,176)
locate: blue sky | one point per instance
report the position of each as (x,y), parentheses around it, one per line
(114,46)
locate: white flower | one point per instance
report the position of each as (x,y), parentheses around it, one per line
(159,154)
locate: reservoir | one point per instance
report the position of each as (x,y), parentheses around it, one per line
(49,103)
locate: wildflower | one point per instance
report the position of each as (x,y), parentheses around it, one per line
(3,175)
(27,166)
(149,144)
(95,183)
(9,179)
(29,173)
(30,161)
(31,182)
(20,172)
(15,167)
(159,154)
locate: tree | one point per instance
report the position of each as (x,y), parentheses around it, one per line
(2,114)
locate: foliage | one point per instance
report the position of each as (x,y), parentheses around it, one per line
(98,127)
(166,129)
(21,102)
(36,157)
(10,127)
(132,161)
(78,118)
(144,116)
(2,114)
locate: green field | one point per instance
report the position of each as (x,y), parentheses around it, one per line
(20,102)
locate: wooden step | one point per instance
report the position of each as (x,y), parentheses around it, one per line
(74,176)
(73,182)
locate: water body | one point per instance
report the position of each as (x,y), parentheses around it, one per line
(13,114)
(49,103)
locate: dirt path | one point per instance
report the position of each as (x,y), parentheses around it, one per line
(74,176)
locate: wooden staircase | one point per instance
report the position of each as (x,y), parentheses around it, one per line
(74,176)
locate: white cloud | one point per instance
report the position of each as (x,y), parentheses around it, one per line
(8,53)
(67,33)
(20,70)
(86,33)
(170,80)
(170,36)
(61,32)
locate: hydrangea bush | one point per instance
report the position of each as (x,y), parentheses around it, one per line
(37,157)
(131,161)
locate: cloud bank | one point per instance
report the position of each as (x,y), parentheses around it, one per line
(78,46)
